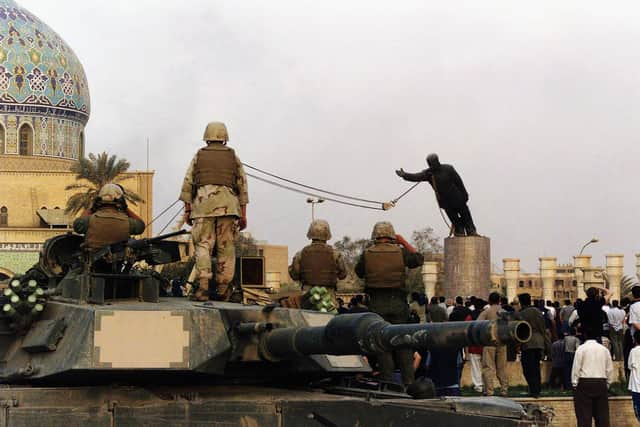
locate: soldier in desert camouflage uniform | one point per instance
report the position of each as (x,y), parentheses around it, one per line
(109,220)
(383,268)
(215,199)
(318,264)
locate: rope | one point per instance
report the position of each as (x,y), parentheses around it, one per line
(315,195)
(171,220)
(435,191)
(163,212)
(394,201)
(312,188)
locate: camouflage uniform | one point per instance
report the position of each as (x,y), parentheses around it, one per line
(382,266)
(318,264)
(109,221)
(215,210)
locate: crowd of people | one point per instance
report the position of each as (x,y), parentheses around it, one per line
(580,339)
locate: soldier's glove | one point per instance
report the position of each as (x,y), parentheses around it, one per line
(400,172)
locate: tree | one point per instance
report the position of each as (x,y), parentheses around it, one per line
(246,245)
(425,240)
(93,173)
(351,249)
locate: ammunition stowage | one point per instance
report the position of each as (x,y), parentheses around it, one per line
(368,333)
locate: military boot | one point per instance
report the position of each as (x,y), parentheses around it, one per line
(202,293)
(223,292)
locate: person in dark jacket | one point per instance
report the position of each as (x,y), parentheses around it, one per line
(435,313)
(533,349)
(450,191)
(591,314)
(460,312)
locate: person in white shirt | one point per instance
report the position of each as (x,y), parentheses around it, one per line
(551,310)
(634,377)
(634,311)
(591,376)
(616,329)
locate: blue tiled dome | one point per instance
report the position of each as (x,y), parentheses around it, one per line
(39,73)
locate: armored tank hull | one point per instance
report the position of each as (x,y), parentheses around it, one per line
(184,363)
(246,406)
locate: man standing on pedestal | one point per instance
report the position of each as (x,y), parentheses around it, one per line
(450,191)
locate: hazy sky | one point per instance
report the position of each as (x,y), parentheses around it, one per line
(534,103)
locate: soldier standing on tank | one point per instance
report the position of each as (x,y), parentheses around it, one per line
(109,220)
(215,199)
(450,192)
(318,264)
(383,268)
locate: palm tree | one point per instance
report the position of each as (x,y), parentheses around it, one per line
(93,173)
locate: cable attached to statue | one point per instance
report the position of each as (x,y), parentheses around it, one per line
(435,191)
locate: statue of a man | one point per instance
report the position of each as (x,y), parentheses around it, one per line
(450,192)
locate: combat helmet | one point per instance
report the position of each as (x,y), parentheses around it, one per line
(383,229)
(216,131)
(319,230)
(111,193)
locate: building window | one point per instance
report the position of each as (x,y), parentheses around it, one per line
(26,140)
(521,283)
(559,283)
(574,283)
(4,216)
(2,137)
(530,283)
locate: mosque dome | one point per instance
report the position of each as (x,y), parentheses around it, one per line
(44,95)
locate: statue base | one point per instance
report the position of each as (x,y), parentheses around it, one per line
(467,266)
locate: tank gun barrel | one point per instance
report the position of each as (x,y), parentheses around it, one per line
(368,333)
(141,243)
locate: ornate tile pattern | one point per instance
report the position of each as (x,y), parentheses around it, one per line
(42,84)
(36,66)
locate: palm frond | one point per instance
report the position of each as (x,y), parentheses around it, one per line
(79,187)
(93,172)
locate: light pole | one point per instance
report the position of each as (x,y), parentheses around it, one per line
(313,201)
(594,240)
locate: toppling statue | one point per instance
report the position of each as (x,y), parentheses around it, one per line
(450,191)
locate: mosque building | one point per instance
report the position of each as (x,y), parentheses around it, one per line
(44,108)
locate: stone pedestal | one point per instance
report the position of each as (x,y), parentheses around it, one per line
(467,266)
(430,277)
(581,262)
(548,276)
(511,268)
(615,270)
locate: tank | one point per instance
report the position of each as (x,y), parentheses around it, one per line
(85,339)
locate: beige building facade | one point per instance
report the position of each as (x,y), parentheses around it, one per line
(32,202)
(558,282)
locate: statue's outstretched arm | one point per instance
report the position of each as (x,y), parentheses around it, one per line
(424,175)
